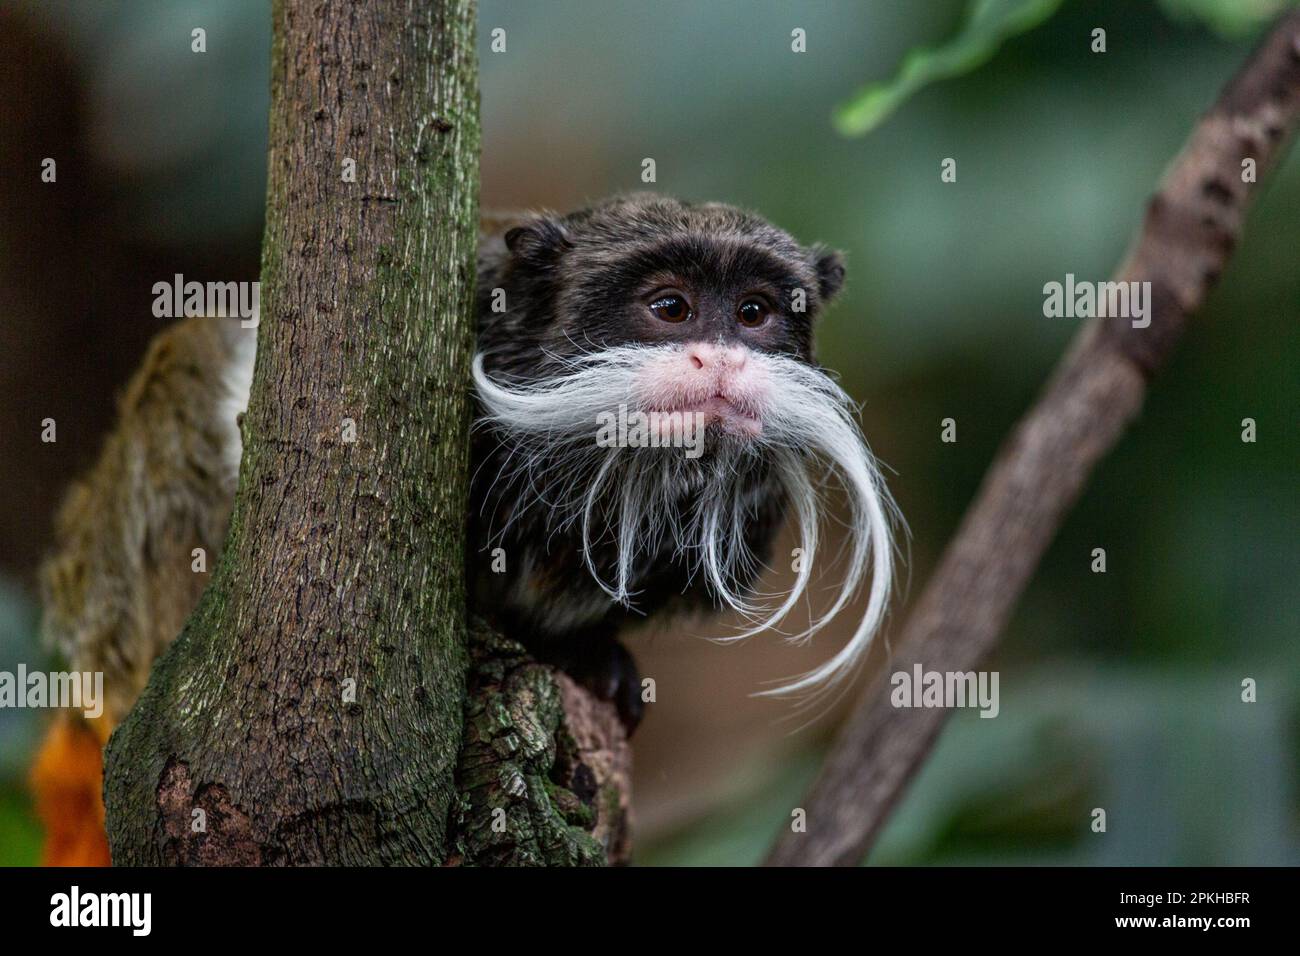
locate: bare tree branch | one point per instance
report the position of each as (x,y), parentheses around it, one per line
(1191,227)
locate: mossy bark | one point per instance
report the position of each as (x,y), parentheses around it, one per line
(311,712)
(545,770)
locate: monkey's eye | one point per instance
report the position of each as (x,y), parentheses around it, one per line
(671,307)
(753,313)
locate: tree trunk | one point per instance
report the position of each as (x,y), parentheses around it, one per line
(311,711)
(314,710)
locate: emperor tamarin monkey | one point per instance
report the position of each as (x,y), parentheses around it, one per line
(649,414)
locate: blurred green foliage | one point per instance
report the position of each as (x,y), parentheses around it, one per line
(1187,775)
(20,837)
(19,834)
(988,24)
(1229,18)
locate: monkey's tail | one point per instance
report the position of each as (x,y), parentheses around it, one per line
(67,782)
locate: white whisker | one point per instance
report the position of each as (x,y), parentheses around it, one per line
(638,499)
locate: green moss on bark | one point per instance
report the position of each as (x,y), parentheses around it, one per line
(529,794)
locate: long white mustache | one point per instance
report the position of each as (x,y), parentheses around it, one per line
(808,426)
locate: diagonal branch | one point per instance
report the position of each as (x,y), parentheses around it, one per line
(1191,227)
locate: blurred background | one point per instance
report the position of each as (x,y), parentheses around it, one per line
(1119,690)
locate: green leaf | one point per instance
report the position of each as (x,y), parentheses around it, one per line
(1228,18)
(988,24)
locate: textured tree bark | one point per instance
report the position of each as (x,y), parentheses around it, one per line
(312,708)
(1191,227)
(545,770)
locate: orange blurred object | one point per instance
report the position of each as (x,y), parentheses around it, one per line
(67,781)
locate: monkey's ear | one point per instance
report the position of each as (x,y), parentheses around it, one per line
(537,242)
(830,272)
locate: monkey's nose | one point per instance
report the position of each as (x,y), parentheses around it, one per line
(703,355)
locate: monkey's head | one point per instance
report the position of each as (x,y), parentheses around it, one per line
(649,366)
(645,270)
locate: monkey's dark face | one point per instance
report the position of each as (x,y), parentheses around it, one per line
(649,271)
(689,286)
